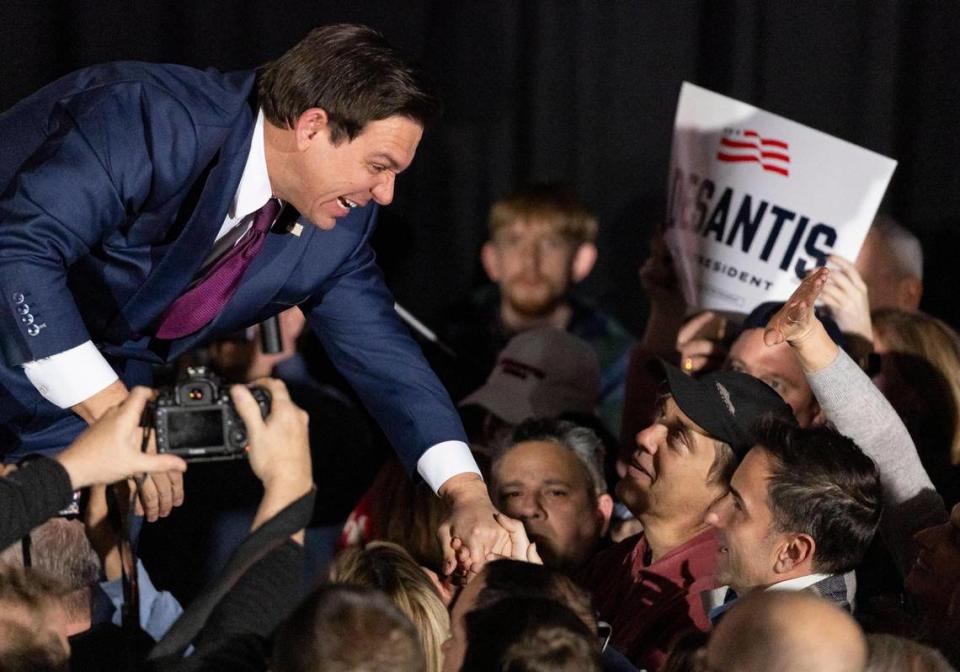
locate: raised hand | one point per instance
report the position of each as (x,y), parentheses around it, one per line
(796,320)
(848,299)
(699,342)
(797,324)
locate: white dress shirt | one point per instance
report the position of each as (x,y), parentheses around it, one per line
(68,378)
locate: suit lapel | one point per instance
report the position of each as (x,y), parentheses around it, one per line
(198,221)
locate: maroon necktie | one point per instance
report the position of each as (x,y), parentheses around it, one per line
(201,303)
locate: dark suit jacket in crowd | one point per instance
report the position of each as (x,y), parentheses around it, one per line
(115,181)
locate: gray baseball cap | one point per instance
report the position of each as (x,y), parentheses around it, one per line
(542,373)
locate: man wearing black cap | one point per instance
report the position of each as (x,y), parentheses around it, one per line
(647,587)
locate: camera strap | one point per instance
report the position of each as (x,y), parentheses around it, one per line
(123,519)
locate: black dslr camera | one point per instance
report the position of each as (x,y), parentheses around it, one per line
(196,419)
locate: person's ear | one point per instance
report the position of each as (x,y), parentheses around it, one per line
(605,512)
(583,261)
(310,126)
(819,417)
(490,258)
(795,551)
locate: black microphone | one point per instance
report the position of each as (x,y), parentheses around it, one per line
(270,336)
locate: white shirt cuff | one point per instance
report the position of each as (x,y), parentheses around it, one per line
(69,377)
(444,461)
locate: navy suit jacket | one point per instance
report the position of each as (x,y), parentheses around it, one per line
(115,181)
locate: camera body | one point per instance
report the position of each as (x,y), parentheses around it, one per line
(196,419)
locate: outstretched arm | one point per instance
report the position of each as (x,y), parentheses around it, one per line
(859,410)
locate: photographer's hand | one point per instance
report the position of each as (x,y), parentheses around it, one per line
(279,448)
(109,450)
(157,493)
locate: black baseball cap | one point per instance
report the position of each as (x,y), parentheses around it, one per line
(727,404)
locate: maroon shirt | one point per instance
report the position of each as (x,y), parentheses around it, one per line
(648,605)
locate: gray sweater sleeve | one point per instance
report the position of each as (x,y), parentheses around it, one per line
(858,410)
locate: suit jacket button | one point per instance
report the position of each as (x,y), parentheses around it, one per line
(23,309)
(33,330)
(18,298)
(27,319)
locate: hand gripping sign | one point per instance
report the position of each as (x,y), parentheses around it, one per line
(756,201)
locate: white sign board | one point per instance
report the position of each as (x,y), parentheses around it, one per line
(757,200)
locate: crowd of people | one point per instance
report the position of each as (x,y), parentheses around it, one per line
(770,491)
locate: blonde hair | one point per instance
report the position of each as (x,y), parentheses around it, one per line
(391,569)
(545,203)
(933,341)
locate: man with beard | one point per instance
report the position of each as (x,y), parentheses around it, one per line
(541,245)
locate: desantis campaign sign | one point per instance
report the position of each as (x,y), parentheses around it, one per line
(756,201)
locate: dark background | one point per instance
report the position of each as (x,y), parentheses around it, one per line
(579,91)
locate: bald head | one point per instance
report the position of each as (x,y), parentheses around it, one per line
(891,264)
(787,631)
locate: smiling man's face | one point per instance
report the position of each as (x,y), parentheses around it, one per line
(743,525)
(324,181)
(668,473)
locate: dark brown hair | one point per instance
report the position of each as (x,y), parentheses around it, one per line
(529,634)
(352,73)
(822,485)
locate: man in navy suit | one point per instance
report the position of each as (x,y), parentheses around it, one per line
(124,184)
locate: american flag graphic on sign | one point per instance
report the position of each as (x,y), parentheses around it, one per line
(738,146)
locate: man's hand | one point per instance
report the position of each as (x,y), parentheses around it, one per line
(158,493)
(796,320)
(470,531)
(521,547)
(667,305)
(659,279)
(279,448)
(847,298)
(699,342)
(797,324)
(109,450)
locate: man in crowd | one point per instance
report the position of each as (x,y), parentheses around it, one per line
(34,625)
(541,245)
(647,586)
(802,510)
(142,216)
(891,265)
(888,273)
(541,373)
(550,477)
(790,632)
